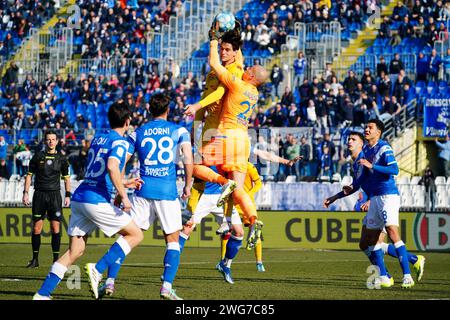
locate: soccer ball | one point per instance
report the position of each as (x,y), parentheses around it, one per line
(226,21)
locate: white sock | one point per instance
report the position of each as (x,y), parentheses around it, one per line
(167,285)
(227,262)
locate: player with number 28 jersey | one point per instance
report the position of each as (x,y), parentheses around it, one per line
(157,144)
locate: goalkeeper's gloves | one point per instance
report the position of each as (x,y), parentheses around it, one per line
(214,33)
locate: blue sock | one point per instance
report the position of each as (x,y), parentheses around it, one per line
(182,240)
(114,268)
(52,280)
(378,256)
(402,256)
(369,255)
(115,255)
(171,261)
(391,250)
(233,246)
(412,258)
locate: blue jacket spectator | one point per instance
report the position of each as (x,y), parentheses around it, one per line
(422,67)
(299,69)
(400,11)
(434,65)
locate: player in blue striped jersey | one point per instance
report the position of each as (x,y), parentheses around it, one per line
(92,208)
(159,144)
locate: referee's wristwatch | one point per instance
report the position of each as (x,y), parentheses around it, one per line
(68,194)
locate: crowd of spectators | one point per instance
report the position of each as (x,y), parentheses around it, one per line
(18,17)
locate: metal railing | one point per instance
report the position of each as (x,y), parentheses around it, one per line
(200,66)
(396,125)
(55,43)
(320,43)
(359,63)
(45,52)
(40,68)
(187,31)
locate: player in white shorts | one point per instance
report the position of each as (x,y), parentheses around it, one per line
(92,208)
(158,145)
(355,145)
(380,167)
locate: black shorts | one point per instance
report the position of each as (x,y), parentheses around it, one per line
(47,204)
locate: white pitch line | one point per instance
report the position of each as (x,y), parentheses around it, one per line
(238,262)
(11,280)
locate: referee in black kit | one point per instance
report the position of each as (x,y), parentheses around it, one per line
(47,167)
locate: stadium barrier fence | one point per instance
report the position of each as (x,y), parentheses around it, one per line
(292,230)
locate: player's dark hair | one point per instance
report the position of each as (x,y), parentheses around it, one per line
(233,38)
(356,133)
(378,123)
(118,114)
(50,132)
(159,103)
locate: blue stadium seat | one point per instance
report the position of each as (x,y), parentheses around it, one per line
(420,84)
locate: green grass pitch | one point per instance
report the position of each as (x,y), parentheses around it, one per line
(290,275)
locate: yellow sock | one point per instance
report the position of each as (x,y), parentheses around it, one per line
(228,207)
(223,247)
(258,251)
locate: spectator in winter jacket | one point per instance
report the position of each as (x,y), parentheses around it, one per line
(299,69)
(276,77)
(422,67)
(434,64)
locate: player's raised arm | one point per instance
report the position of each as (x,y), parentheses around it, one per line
(214,59)
(270,156)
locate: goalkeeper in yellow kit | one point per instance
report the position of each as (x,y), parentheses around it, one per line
(210,106)
(229,149)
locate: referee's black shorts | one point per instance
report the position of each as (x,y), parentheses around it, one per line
(47,204)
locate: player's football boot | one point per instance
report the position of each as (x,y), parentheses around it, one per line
(260,267)
(419,267)
(106,289)
(166,294)
(226,272)
(94,278)
(34,263)
(37,296)
(227,189)
(254,234)
(386,281)
(407,282)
